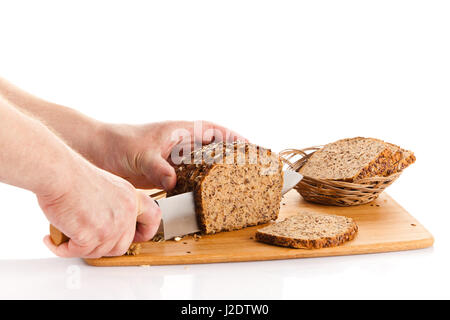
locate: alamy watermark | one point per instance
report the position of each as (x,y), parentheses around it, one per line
(73,280)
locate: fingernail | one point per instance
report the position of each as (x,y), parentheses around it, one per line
(165,182)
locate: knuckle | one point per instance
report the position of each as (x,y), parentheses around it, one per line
(83,238)
(129,203)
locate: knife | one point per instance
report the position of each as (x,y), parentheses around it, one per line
(178,212)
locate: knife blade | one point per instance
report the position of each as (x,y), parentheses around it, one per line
(178,212)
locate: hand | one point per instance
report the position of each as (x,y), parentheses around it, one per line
(141,154)
(98,212)
(137,153)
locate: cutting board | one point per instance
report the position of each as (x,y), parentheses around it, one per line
(384,226)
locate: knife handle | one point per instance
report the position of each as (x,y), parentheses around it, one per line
(58,237)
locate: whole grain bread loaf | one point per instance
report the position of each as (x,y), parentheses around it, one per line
(309,231)
(355,159)
(235,185)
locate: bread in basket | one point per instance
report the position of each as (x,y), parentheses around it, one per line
(347,172)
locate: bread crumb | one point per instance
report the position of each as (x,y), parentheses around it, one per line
(177,238)
(197,237)
(134,249)
(159,237)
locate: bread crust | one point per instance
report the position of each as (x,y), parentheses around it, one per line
(309,244)
(392,160)
(382,166)
(194,177)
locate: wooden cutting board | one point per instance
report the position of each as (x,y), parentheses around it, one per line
(384,226)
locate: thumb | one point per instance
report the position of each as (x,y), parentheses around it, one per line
(148,219)
(159,171)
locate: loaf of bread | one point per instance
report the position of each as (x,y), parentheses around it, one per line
(309,231)
(355,159)
(235,185)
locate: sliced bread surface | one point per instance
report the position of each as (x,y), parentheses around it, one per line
(356,158)
(309,231)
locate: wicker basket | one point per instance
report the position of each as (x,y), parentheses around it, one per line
(333,192)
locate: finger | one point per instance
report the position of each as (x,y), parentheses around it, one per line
(214,132)
(122,245)
(52,247)
(189,135)
(159,171)
(213,135)
(102,250)
(148,219)
(68,249)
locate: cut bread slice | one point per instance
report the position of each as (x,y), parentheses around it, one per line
(404,157)
(309,231)
(356,158)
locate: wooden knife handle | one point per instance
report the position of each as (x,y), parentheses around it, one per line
(58,237)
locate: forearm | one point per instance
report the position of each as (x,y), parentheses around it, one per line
(80,132)
(31,156)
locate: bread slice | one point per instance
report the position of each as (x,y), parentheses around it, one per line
(404,157)
(309,231)
(355,159)
(235,185)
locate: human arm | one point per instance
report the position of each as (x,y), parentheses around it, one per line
(138,153)
(96,209)
(75,128)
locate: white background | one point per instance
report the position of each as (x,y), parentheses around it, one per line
(282,73)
